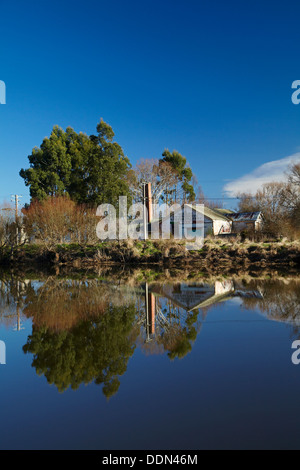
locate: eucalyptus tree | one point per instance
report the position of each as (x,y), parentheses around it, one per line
(90,169)
(182,189)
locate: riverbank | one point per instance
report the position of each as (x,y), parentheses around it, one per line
(216,255)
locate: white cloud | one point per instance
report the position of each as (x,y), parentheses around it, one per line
(272,171)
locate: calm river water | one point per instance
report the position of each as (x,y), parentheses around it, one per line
(104,363)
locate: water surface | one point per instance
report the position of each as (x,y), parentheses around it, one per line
(109,363)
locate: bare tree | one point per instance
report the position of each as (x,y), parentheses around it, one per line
(59,220)
(292,195)
(294,175)
(270,200)
(161,176)
(247,203)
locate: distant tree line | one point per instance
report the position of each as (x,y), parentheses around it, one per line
(280,204)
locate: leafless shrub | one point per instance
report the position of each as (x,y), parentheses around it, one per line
(58,220)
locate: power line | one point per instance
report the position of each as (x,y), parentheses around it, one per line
(220,198)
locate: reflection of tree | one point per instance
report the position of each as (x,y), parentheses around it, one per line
(60,304)
(175,331)
(280,301)
(179,338)
(95,350)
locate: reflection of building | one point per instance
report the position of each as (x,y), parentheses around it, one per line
(169,312)
(249,294)
(195,296)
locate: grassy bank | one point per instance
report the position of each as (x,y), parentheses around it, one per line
(215,255)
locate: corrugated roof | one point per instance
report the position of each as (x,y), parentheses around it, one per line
(244,216)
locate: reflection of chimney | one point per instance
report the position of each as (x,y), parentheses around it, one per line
(148,196)
(151,303)
(150,307)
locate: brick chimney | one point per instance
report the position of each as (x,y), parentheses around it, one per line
(148,196)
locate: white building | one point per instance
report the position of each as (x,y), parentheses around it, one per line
(215,223)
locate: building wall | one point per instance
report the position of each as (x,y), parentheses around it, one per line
(215,227)
(223,287)
(221,226)
(258,224)
(211,227)
(208,228)
(240,226)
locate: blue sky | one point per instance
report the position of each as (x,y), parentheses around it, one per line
(209,79)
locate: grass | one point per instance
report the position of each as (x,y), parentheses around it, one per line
(214,253)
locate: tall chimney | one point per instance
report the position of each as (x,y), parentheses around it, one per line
(149,201)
